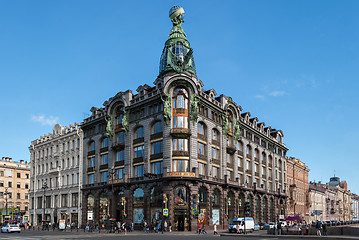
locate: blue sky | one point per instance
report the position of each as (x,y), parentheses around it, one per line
(292,64)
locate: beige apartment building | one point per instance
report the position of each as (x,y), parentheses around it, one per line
(14,188)
(297,188)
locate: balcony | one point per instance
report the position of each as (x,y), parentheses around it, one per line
(119,163)
(104,166)
(90,169)
(240,153)
(240,169)
(264,162)
(231,149)
(138,160)
(180,153)
(156,136)
(91,153)
(249,171)
(202,157)
(256,159)
(229,165)
(264,176)
(270,165)
(118,146)
(118,128)
(202,137)
(104,149)
(180,132)
(249,156)
(216,161)
(138,140)
(156,156)
(256,174)
(215,142)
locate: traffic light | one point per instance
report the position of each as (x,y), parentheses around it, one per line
(247,209)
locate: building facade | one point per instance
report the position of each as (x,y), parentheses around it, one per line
(317,194)
(56,175)
(331,203)
(344,199)
(355,207)
(14,188)
(297,188)
(176,146)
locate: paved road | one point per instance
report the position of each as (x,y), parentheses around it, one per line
(32,235)
(38,235)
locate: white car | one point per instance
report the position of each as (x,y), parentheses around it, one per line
(10,228)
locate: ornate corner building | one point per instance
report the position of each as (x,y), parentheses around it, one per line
(176,146)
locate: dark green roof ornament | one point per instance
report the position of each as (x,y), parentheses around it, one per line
(177,54)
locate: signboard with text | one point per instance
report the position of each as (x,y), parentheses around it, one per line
(181,174)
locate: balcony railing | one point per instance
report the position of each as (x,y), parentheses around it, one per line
(156,135)
(202,137)
(138,140)
(90,153)
(156,156)
(216,161)
(119,163)
(215,142)
(180,153)
(104,166)
(137,160)
(202,157)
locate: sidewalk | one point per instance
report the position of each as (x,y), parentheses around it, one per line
(257,234)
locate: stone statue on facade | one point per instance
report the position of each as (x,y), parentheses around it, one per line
(237,130)
(225,125)
(109,125)
(125,121)
(167,108)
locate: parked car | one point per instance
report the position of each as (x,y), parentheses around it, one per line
(256,227)
(271,224)
(265,226)
(10,228)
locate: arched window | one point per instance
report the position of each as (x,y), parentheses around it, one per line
(201,129)
(180,108)
(157,127)
(248,150)
(104,143)
(138,205)
(263,157)
(258,209)
(120,137)
(240,146)
(92,146)
(180,195)
(139,133)
(230,121)
(118,116)
(215,135)
(256,154)
(202,194)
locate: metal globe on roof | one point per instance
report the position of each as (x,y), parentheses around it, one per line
(176,14)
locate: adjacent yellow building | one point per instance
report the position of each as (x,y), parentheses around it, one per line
(14,188)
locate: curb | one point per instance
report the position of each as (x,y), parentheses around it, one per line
(287,236)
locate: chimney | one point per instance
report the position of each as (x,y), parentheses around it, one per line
(10,159)
(3,158)
(21,161)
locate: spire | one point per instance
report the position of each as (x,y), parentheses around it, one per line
(177,53)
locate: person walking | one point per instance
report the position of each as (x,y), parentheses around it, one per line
(215,229)
(325,229)
(170,226)
(318,226)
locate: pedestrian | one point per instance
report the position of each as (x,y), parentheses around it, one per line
(165,226)
(275,228)
(279,228)
(132,227)
(124,227)
(318,226)
(170,226)
(118,225)
(325,229)
(215,229)
(204,229)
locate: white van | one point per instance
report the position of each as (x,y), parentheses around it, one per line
(249,225)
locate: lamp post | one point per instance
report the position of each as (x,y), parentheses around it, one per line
(112,174)
(6,193)
(44,187)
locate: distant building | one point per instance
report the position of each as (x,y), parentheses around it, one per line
(344,199)
(297,188)
(331,195)
(317,195)
(14,187)
(355,206)
(56,175)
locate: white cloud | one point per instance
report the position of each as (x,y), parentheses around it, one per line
(277,93)
(44,120)
(259,96)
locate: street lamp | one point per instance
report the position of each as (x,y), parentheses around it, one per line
(44,187)
(6,193)
(112,174)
